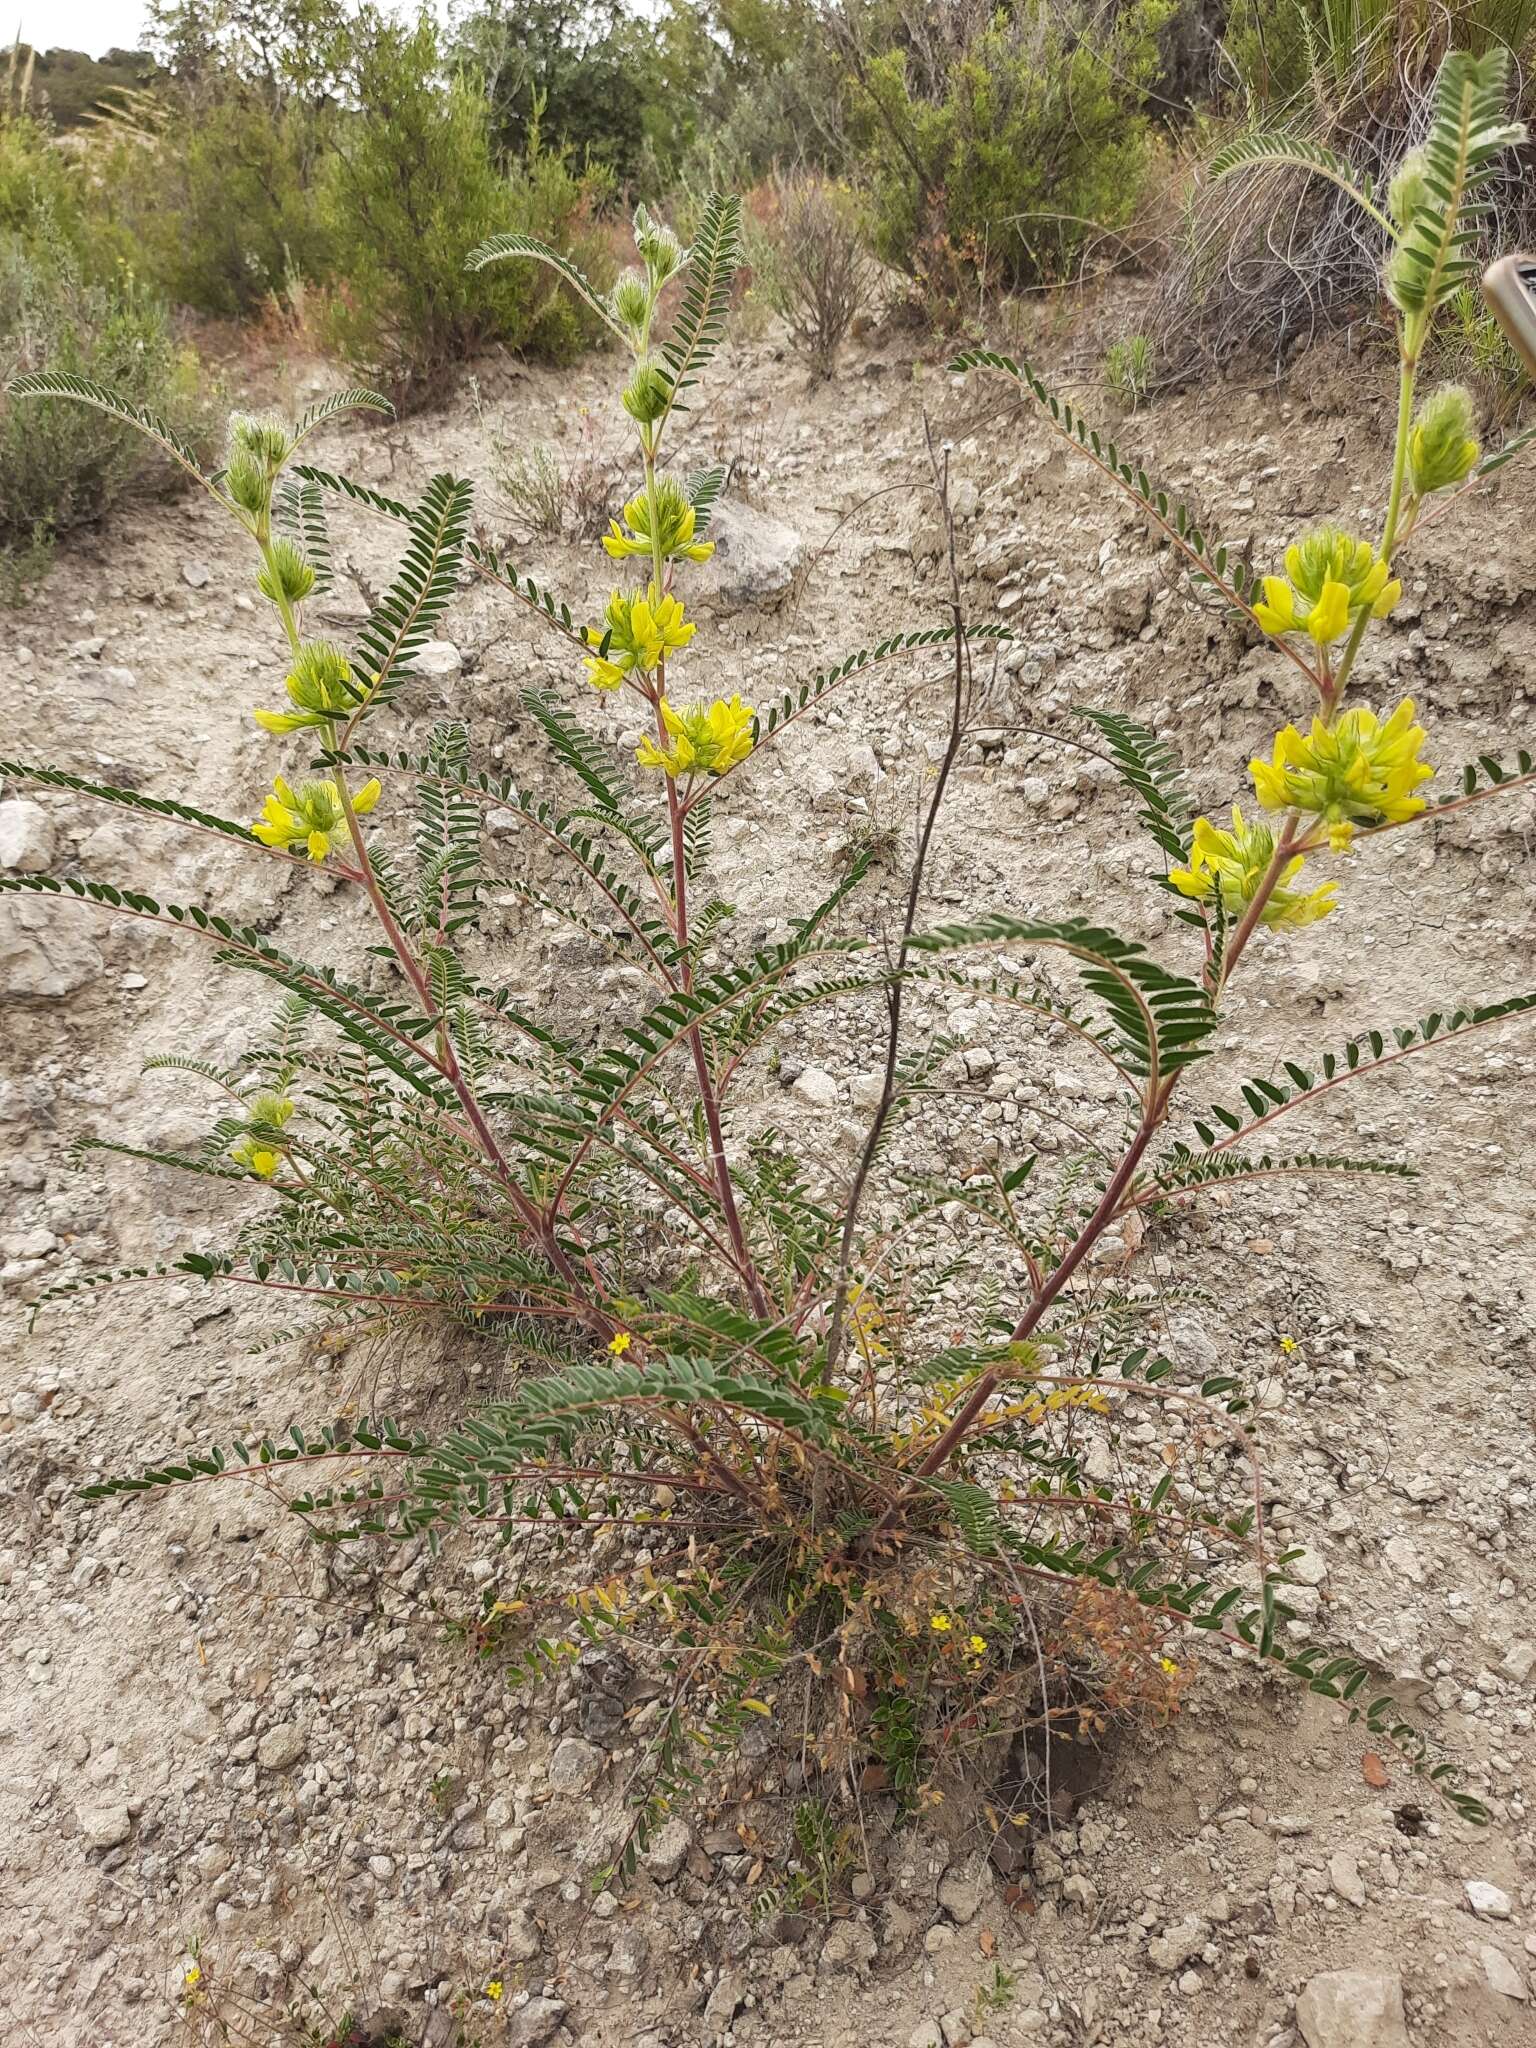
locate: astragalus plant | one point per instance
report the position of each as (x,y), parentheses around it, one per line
(748,1432)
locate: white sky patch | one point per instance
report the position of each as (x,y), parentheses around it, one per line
(94,26)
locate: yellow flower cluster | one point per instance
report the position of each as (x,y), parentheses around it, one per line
(257,1149)
(702,741)
(1232,865)
(640,631)
(320,687)
(1333,579)
(1357,770)
(311,815)
(673,531)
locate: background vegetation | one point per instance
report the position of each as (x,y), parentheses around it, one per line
(320,168)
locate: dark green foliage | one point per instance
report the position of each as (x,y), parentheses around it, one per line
(1001,143)
(62,466)
(408,192)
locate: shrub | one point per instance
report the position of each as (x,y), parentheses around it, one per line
(64,467)
(214,199)
(1006,140)
(860,1459)
(1285,258)
(812,265)
(411,185)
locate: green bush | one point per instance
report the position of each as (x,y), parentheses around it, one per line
(1005,150)
(218,206)
(62,466)
(413,183)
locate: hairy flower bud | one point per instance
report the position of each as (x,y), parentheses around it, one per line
(1443,447)
(1406,193)
(248,483)
(646,395)
(266,440)
(631,302)
(286,576)
(660,250)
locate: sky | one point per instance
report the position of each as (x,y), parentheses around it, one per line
(94,26)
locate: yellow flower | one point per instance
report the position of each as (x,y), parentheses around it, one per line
(1358,770)
(1287,1345)
(940,1624)
(702,741)
(321,687)
(976,1645)
(255,1149)
(1333,579)
(620,1342)
(494,1989)
(193,1975)
(675,525)
(640,633)
(1234,863)
(313,815)
(1169,1666)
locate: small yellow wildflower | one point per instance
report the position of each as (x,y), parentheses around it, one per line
(320,686)
(193,1975)
(313,815)
(1234,863)
(620,1342)
(675,526)
(976,1645)
(255,1149)
(1287,1345)
(1333,579)
(940,1624)
(1359,769)
(1169,1666)
(494,1989)
(702,741)
(641,632)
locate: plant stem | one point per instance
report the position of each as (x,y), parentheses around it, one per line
(1412,341)
(914,894)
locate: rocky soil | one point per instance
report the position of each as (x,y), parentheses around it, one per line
(217,1740)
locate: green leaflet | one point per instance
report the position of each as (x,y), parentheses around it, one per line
(127,799)
(61,384)
(1266,1098)
(1437,251)
(298,511)
(403,619)
(794,702)
(1160,1018)
(503,248)
(1151,768)
(1277,148)
(699,324)
(1215,565)
(1183,1171)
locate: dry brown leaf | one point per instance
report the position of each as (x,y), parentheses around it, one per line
(1373,1770)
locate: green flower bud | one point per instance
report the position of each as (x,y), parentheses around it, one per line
(647,394)
(631,302)
(659,249)
(287,576)
(1406,193)
(248,483)
(1443,447)
(266,440)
